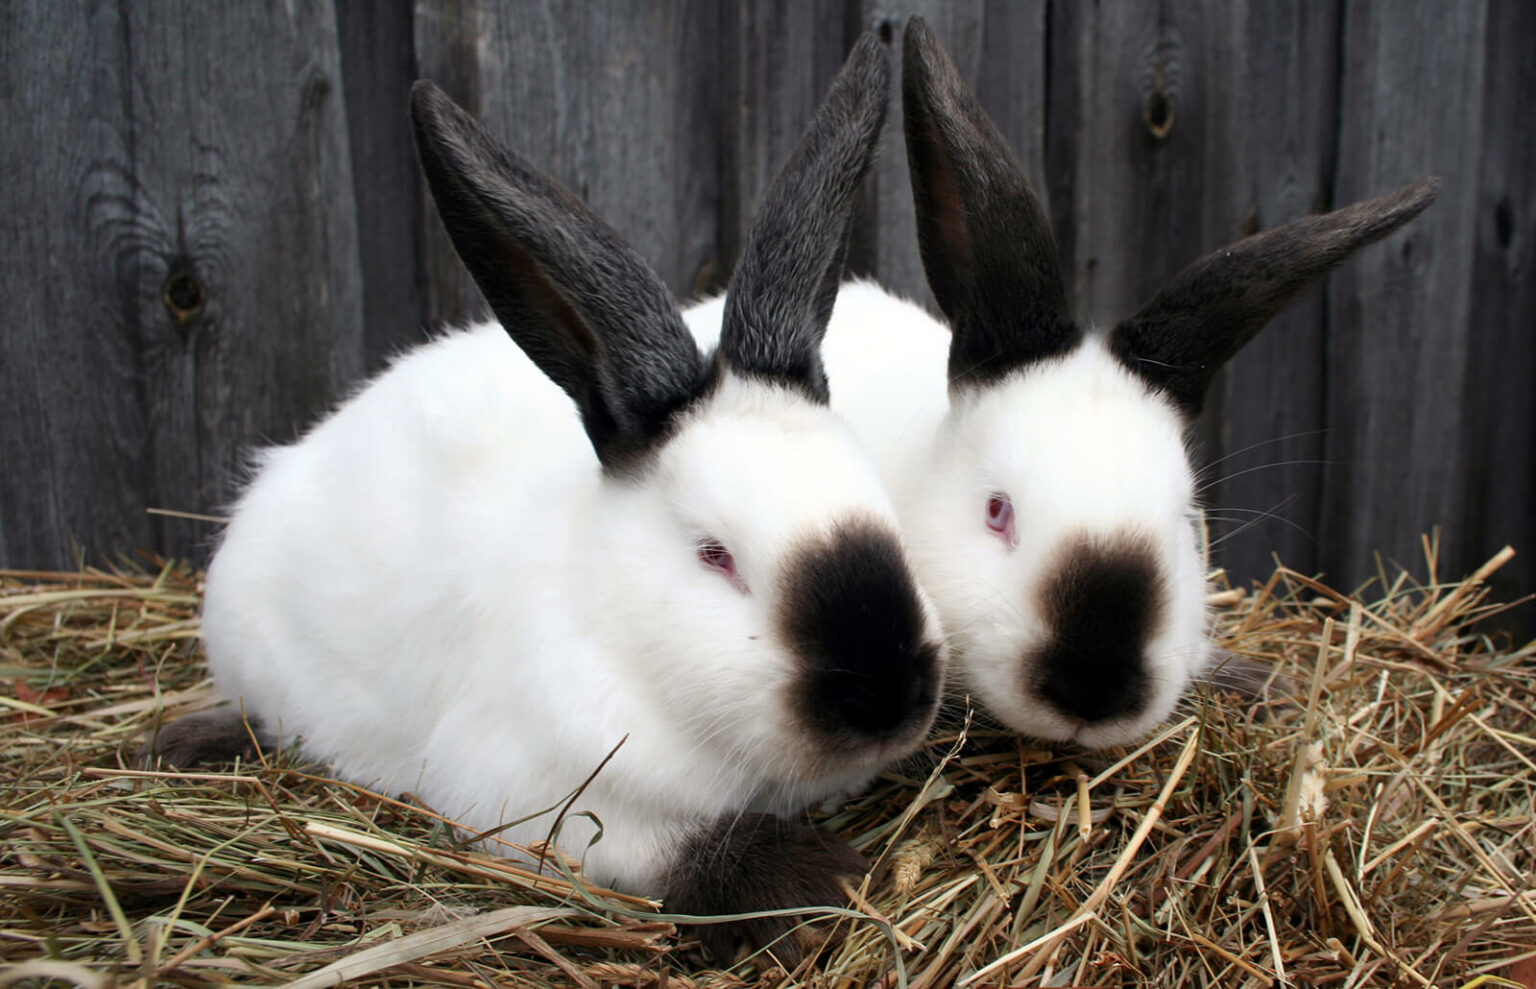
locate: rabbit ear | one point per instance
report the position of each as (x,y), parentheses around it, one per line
(1179,340)
(583,306)
(782,291)
(986,244)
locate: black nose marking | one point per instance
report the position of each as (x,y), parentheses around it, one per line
(851,613)
(872,703)
(1101,603)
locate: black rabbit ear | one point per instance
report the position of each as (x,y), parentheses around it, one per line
(1179,340)
(985,241)
(583,306)
(782,291)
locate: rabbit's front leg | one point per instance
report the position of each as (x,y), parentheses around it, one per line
(750,862)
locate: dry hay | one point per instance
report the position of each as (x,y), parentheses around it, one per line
(1376,831)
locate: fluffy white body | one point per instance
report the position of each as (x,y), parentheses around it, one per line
(440,592)
(1087,452)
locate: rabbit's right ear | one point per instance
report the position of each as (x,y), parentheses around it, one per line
(584,307)
(782,291)
(986,244)
(1179,340)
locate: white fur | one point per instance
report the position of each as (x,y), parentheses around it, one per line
(440,592)
(1083,448)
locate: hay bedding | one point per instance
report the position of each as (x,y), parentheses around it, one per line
(1377,831)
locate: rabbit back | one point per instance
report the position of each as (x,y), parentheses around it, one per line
(343,589)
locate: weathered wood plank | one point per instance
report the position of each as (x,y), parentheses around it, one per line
(778,60)
(1135,142)
(190,287)
(1281,107)
(1500,428)
(378,65)
(621,103)
(1399,393)
(75,432)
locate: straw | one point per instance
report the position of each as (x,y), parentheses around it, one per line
(1375,829)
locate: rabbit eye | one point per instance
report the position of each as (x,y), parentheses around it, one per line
(719,559)
(1000,517)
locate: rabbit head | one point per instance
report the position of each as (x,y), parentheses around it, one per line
(1057,525)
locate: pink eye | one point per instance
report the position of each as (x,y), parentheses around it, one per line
(1000,517)
(719,559)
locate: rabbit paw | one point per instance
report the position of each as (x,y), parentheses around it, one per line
(753,862)
(216,736)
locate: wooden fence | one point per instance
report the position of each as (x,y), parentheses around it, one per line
(213,224)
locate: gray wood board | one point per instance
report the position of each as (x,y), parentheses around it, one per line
(778,60)
(1398,392)
(620,103)
(378,63)
(1499,433)
(181,279)
(1265,416)
(999,48)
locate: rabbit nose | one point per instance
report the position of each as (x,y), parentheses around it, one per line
(856,625)
(873,705)
(1095,691)
(1101,602)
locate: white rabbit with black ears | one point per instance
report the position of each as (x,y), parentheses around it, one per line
(1040,468)
(462,584)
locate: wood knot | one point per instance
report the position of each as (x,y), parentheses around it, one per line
(183,295)
(1504,221)
(1160,82)
(1157,113)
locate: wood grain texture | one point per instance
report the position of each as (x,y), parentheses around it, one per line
(378,65)
(1135,138)
(192,284)
(1499,432)
(778,60)
(621,103)
(1265,423)
(1399,393)
(75,436)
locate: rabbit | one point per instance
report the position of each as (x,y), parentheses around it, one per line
(565,557)
(1039,467)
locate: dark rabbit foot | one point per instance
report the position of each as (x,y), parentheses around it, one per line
(760,862)
(210,737)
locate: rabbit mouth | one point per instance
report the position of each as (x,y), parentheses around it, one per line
(830,755)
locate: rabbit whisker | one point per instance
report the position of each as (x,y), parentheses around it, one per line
(1261,443)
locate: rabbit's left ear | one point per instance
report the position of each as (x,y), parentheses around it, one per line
(986,243)
(782,291)
(1179,340)
(583,306)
